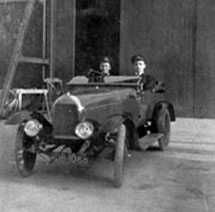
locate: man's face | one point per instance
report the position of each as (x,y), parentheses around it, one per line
(139,67)
(105,68)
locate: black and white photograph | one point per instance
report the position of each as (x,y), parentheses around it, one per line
(107,105)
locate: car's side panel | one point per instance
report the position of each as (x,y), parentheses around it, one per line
(122,104)
(112,123)
(101,113)
(131,109)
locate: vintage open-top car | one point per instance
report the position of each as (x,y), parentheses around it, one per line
(90,117)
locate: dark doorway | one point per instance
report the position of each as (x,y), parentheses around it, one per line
(97,34)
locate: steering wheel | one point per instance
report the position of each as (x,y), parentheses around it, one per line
(95,76)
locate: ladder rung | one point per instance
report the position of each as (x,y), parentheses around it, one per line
(34,60)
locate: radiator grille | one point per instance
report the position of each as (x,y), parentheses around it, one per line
(65,119)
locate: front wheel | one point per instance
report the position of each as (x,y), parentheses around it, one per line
(25,160)
(119,156)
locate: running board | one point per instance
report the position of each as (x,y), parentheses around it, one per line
(149,139)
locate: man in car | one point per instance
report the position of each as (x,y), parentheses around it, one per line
(147,82)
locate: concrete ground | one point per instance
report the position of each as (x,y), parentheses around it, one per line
(181,179)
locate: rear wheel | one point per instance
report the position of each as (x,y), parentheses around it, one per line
(119,156)
(25,160)
(163,126)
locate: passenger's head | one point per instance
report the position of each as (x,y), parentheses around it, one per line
(105,65)
(138,64)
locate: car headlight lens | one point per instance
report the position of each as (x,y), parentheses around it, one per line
(84,130)
(32,127)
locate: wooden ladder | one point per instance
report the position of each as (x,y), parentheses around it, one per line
(17,52)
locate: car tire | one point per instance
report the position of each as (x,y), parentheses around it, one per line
(119,156)
(25,160)
(163,126)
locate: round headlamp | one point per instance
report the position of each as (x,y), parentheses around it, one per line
(32,127)
(84,130)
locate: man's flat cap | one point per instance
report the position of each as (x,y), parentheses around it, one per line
(137,57)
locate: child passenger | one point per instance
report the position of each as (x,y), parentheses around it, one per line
(105,66)
(104,70)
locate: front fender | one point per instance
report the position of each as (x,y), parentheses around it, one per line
(21,116)
(18,117)
(112,123)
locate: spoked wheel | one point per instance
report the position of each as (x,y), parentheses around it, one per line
(119,156)
(163,126)
(25,160)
